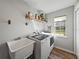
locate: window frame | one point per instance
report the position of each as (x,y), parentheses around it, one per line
(60,35)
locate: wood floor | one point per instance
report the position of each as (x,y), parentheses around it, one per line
(60,54)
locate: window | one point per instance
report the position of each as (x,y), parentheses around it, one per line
(59,25)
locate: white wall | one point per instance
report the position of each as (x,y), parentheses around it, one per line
(76,29)
(65,43)
(77,33)
(14,10)
(75,12)
(76,5)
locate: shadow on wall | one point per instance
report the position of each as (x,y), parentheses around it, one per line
(4,51)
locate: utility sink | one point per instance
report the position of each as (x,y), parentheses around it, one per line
(19,49)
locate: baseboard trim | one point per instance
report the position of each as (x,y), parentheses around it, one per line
(65,50)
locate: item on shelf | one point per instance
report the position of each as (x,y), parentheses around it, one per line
(36,16)
(29,15)
(42,16)
(39,17)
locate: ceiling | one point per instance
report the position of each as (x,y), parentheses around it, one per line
(50,5)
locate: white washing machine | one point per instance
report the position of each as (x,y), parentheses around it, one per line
(43,45)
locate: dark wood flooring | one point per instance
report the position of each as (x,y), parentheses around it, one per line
(60,54)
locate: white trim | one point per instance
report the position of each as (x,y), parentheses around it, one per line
(75,34)
(65,49)
(75,26)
